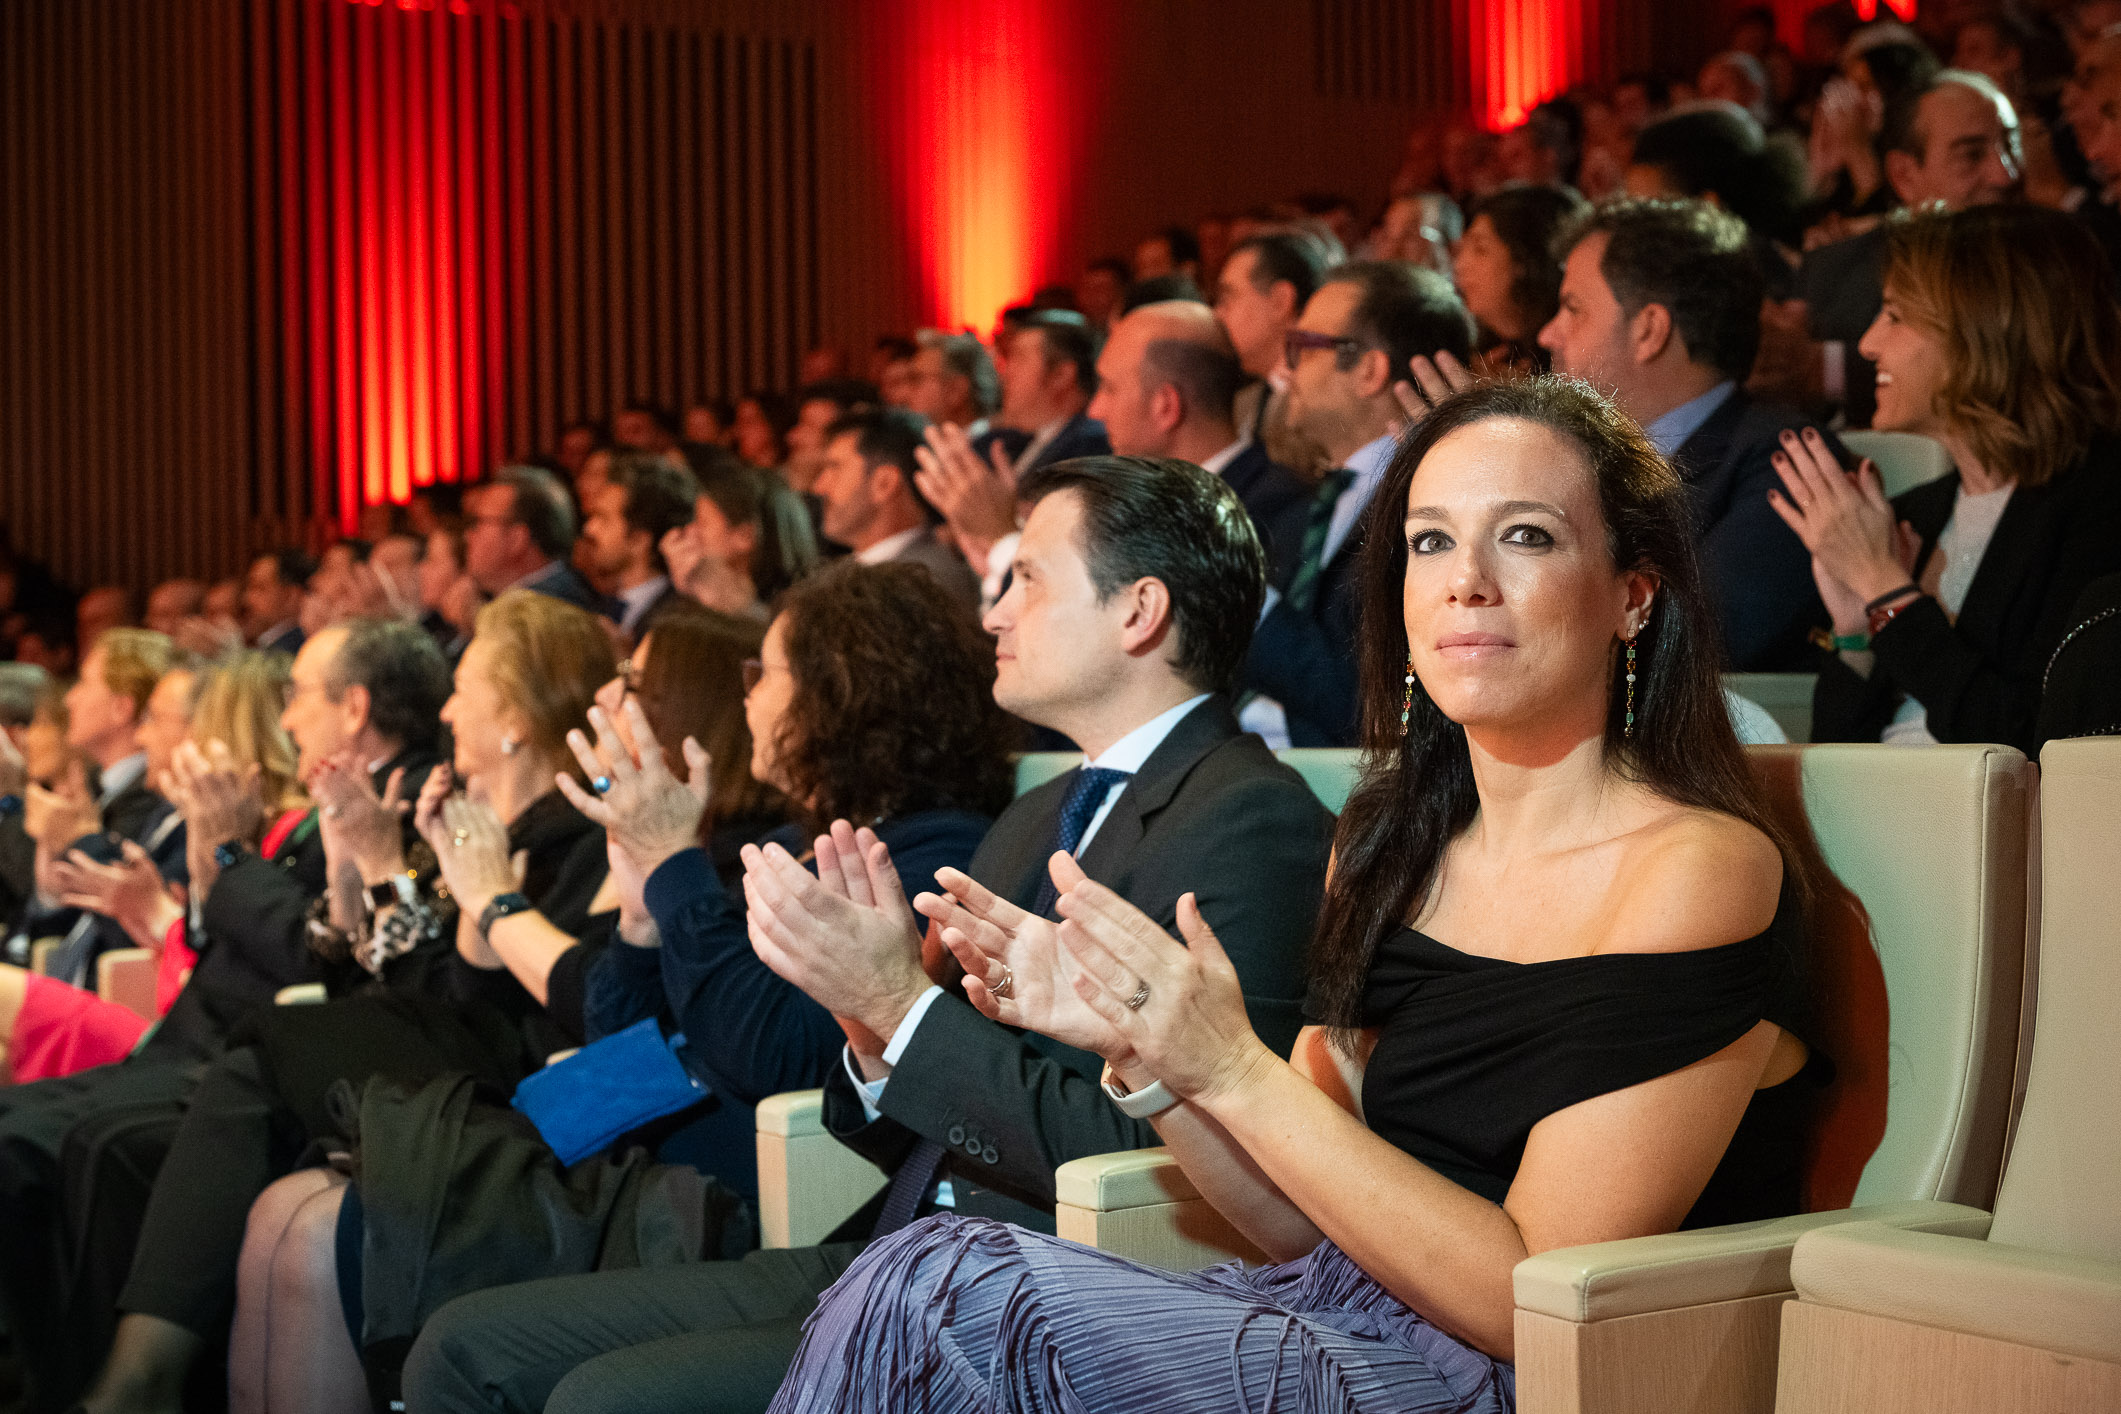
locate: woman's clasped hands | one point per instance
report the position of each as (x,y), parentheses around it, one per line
(1106,979)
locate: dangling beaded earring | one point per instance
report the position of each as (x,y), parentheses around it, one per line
(1628,728)
(1406,701)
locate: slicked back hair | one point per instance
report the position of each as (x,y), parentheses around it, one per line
(1168,520)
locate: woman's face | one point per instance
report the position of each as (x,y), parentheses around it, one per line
(1511,599)
(479,718)
(1484,269)
(756,441)
(1911,363)
(766,706)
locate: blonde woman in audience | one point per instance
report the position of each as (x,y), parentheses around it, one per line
(231,710)
(2000,337)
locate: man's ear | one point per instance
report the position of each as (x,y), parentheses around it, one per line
(354,703)
(1167,407)
(1148,623)
(1650,332)
(1373,373)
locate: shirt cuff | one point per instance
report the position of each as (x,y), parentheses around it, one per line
(903,1037)
(1266,605)
(869,1092)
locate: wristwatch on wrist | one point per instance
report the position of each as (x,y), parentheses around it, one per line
(229,853)
(502,906)
(398,888)
(1146,1103)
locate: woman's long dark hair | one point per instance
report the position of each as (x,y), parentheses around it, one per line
(1417,791)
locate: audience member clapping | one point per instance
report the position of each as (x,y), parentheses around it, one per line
(2000,337)
(750,537)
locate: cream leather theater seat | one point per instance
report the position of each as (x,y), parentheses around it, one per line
(1918,965)
(1890,1322)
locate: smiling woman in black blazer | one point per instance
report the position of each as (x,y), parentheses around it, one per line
(2000,337)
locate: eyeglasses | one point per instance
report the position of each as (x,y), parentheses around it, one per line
(1296,341)
(754,673)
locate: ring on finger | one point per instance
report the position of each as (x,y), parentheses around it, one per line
(1141,995)
(602,784)
(459,837)
(1003,988)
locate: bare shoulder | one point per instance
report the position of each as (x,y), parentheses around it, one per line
(1695,879)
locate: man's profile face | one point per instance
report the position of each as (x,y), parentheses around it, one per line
(843,486)
(606,530)
(1250,315)
(1588,333)
(1055,644)
(315,723)
(1323,396)
(1120,403)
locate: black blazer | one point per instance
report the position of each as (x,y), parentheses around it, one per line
(1979,679)
(255,934)
(566,584)
(1280,503)
(1306,661)
(1081,437)
(1211,811)
(2080,689)
(1759,574)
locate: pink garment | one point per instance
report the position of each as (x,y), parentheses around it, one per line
(63,1029)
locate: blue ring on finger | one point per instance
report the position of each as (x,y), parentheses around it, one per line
(602,784)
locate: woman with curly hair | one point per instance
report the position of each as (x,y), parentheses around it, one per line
(871,700)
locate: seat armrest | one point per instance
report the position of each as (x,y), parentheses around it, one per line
(301,994)
(1604,1280)
(2053,1301)
(1111,1183)
(40,955)
(809,1182)
(126,977)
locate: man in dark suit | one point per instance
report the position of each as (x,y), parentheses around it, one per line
(1265,282)
(368,692)
(1660,308)
(1166,383)
(106,708)
(520,531)
(1357,337)
(1135,586)
(1048,372)
(624,521)
(871,504)
(272,599)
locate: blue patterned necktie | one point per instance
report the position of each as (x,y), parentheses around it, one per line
(1303,589)
(1092,784)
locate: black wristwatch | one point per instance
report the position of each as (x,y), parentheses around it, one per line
(501,907)
(228,854)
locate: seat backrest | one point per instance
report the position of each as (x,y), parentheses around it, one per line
(1917,953)
(2062,1186)
(1330,771)
(1787,697)
(1905,459)
(1035,768)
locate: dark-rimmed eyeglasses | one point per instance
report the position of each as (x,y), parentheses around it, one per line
(1297,341)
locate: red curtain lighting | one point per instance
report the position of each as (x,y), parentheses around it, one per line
(983,112)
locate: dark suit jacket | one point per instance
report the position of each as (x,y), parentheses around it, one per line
(1081,437)
(1306,662)
(1759,573)
(1280,503)
(1980,678)
(566,584)
(131,813)
(945,563)
(1211,811)
(290,641)
(1843,286)
(255,938)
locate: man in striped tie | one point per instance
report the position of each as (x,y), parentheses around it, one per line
(1134,590)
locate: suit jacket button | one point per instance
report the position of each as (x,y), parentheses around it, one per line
(957,1135)
(990,1154)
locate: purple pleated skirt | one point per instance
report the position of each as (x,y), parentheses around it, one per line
(963,1314)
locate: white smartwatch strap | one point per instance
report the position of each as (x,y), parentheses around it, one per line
(1146,1103)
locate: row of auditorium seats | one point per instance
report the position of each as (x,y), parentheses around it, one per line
(1883,1297)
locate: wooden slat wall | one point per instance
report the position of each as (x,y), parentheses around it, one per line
(127,350)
